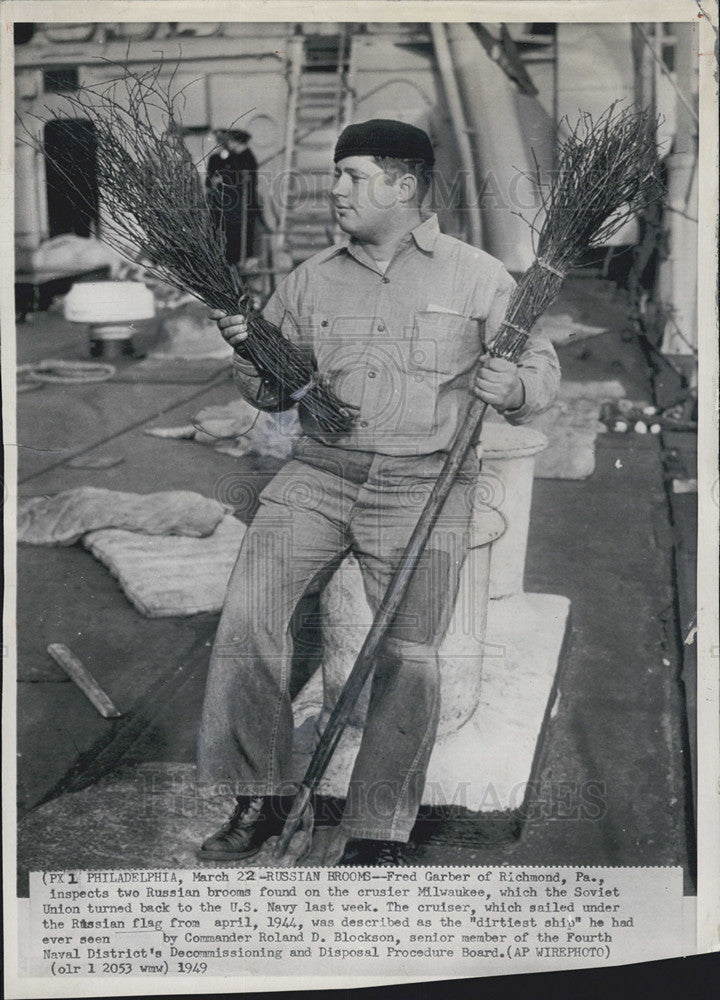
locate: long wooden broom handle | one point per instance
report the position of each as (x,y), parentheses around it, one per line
(389,606)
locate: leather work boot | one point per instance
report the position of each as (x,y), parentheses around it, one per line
(374,853)
(242,835)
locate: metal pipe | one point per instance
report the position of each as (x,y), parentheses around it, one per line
(678,273)
(674,82)
(452,93)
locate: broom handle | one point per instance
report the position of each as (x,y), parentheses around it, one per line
(383,619)
(395,593)
(363,666)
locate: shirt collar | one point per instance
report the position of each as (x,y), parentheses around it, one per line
(424,234)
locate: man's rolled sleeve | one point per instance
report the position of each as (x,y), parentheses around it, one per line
(538,368)
(249,384)
(254,389)
(539,371)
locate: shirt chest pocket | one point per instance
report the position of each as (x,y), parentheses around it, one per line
(446,343)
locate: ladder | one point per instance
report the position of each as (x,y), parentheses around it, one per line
(316,112)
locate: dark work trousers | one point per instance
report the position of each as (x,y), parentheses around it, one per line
(308,519)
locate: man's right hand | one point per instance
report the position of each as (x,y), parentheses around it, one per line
(233,328)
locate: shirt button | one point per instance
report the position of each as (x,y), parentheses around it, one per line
(323,322)
(363,423)
(386,280)
(418,378)
(381,327)
(372,374)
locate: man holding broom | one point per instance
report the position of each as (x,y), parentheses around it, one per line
(397,318)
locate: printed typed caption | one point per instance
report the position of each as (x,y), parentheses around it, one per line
(175,923)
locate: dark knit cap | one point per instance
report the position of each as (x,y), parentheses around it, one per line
(385,137)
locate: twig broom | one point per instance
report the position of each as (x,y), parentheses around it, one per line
(154,205)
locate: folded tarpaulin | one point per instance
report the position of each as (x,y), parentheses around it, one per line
(165,577)
(65,517)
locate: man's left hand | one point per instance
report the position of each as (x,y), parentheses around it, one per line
(498,383)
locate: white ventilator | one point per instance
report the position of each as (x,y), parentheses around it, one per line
(109,308)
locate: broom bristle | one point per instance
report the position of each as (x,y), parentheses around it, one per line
(154,207)
(607,169)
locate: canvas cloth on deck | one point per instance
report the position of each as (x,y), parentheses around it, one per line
(237,428)
(65,517)
(571,425)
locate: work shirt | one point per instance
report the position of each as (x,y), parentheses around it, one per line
(401,343)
